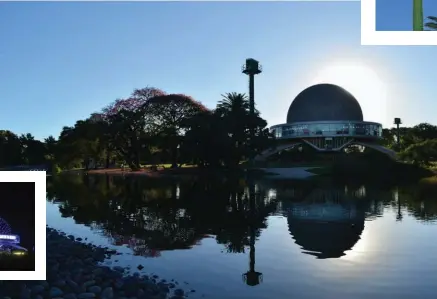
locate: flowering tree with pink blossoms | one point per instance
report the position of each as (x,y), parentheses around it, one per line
(127,125)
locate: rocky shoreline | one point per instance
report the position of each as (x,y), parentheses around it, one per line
(74,271)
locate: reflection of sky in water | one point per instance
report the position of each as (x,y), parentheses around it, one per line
(391,260)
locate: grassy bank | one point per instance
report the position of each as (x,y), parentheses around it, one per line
(376,170)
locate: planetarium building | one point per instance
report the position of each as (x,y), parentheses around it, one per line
(328,118)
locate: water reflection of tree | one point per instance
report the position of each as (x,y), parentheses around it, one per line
(417,201)
(163,215)
(157,215)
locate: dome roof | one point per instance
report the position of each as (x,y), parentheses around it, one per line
(322,102)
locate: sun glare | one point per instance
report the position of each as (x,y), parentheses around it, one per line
(363,82)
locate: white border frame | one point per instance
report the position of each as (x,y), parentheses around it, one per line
(39,178)
(371,37)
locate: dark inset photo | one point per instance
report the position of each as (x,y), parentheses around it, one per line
(406,15)
(17,226)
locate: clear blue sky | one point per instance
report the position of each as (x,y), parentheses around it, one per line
(61,61)
(397,15)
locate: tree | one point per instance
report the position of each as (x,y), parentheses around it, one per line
(205,142)
(421,153)
(11,152)
(234,109)
(388,138)
(50,144)
(166,115)
(432,23)
(424,131)
(78,145)
(408,135)
(34,151)
(128,128)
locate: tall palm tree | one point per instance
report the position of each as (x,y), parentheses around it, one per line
(233,103)
(417,15)
(432,23)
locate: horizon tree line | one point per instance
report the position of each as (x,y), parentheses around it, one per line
(154,128)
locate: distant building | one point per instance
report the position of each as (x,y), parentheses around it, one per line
(10,244)
(328,118)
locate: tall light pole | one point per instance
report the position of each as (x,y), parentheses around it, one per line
(251,68)
(398,122)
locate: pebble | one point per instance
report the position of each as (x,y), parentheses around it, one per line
(55,292)
(25,293)
(107,293)
(95,289)
(86,295)
(36,289)
(45,284)
(70,296)
(89,283)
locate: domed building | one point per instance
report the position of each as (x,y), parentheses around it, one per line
(327,118)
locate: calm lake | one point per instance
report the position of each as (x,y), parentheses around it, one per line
(230,238)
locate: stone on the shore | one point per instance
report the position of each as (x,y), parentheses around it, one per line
(107,293)
(36,289)
(86,295)
(45,284)
(25,293)
(59,283)
(70,296)
(55,292)
(74,272)
(95,289)
(89,283)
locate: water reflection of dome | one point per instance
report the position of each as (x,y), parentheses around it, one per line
(325,229)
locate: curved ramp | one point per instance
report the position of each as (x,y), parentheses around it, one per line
(267,153)
(391,153)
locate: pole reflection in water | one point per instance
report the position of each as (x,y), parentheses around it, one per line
(252,277)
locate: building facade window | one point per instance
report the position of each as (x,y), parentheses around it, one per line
(327,130)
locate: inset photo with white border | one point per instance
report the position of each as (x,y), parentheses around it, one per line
(400,22)
(22,225)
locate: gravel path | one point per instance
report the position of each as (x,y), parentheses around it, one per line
(74,271)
